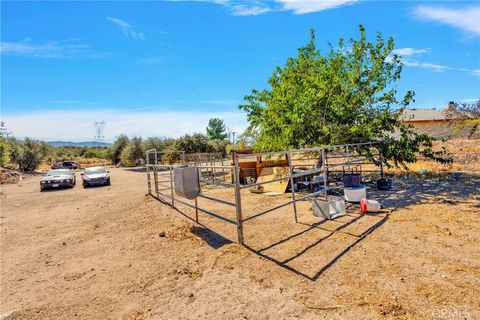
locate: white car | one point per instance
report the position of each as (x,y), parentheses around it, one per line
(95,176)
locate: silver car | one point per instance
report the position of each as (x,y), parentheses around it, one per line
(95,176)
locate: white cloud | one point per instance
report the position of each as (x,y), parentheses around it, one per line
(246,10)
(409,56)
(77,125)
(309,6)
(51,49)
(405,52)
(127,28)
(258,7)
(470,100)
(438,67)
(466,19)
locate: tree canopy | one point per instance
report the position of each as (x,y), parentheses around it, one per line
(132,152)
(216,129)
(347,95)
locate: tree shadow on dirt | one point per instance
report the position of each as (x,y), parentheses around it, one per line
(405,192)
(449,190)
(310,227)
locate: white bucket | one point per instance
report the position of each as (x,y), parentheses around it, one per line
(355,194)
(370,205)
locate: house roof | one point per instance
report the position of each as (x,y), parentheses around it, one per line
(412,115)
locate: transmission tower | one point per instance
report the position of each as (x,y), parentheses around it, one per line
(99,137)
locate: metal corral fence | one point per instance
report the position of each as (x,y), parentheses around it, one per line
(212,170)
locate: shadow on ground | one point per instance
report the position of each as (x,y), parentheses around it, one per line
(213,239)
(405,192)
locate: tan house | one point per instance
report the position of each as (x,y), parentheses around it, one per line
(441,123)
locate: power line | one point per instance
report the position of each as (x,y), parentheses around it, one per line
(99,137)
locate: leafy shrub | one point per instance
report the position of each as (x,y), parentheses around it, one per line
(28,154)
(132,152)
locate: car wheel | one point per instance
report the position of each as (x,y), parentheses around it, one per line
(84,185)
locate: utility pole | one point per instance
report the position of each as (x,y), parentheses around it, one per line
(231,135)
(99,137)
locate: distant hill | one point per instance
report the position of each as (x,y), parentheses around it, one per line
(77,144)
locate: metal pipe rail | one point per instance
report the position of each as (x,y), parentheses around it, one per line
(351,159)
(217,200)
(294,176)
(261,213)
(306,149)
(201,209)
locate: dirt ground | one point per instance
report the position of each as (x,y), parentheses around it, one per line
(115,253)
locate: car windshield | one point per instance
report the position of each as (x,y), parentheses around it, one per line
(94,171)
(60,172)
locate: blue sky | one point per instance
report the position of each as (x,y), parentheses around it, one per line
(165,67)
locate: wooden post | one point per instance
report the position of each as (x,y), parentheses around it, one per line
(289,158)
(238,200)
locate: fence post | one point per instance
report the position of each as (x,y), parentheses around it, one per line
(325,174)
(171,187)
(238,200)
(289,158)
(149,184)
(348,159)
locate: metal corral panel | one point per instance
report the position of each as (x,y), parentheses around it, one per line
(186,182)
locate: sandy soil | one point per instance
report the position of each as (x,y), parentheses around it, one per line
(115,253)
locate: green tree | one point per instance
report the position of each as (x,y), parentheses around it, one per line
(219,146)
(158,143)
(132,152)
(28,154)
(247,139)
(4,152)
(117,148)
(216,129)
(345,96)
(193,143)
(4,146)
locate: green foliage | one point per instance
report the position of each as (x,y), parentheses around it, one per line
(29,153)
(117,148)
(189,143)
(4,146)
(219,146)
(71,152)
(132,152)
(247,139)
(4,152)
(193,143)
(344,96)
(158,143)
(216,129)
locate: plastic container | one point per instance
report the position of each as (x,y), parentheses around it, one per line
(370,205)
(330,209)
(355,194)
(352,180)
(384,184)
